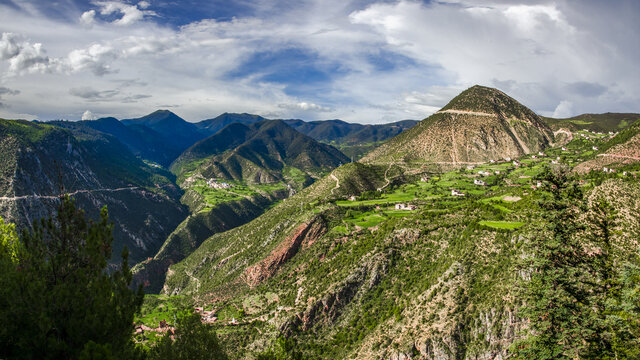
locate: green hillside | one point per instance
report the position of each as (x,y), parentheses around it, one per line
(594,122)
(257,153)
(41,161)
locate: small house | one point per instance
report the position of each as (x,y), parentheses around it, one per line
(594,148)
(405,207)
(564,148)
(492,161)
(541,153)
(507,159)
(479,182)
(469,167)
(352,198)
(457,193)
(424,179)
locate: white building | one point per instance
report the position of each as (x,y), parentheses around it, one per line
(457,193)
(479,182)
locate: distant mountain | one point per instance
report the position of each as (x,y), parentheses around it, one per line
(140,139)
(41,161)
(341,132)
(212,126)
(594,122)
(180,133)
(478,125)
(257,153)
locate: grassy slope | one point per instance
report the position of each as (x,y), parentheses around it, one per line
(382,282)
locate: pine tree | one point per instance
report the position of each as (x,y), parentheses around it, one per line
(58,300)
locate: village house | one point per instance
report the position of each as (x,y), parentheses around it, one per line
(541,153)
(212,183)
(469,167)
(405,207)
(594,148)
(533,156)
(492,161)
(507,159)
(424,179)
(352,198)
(516,163)
(564,148)
(479,182)
(457,193)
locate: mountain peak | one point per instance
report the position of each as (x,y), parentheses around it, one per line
(482,99)
(478,125)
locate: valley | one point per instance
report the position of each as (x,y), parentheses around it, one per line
(413,251)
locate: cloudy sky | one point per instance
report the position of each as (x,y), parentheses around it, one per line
(357,60)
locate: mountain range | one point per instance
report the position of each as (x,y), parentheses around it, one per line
(270,231)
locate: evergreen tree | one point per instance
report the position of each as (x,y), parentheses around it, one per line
(58,300)
(556,298)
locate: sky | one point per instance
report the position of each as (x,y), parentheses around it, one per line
(355,60)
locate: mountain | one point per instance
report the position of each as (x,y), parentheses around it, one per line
(479,125)
(212,126)
(354,140)
(594,122)
(180,133)
(140,139)
(257,153)
(41,161)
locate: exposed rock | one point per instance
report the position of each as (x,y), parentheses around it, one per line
(266,268)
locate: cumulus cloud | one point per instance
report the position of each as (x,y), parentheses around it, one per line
(368,61)
(563,110)
(306,106)
(95,58)
(88,115)
(24,56)
(88,18)
(130,13)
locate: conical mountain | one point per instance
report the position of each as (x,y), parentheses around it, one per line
(479,125)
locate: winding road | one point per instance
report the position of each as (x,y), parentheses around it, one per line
(337,182)
(52,197)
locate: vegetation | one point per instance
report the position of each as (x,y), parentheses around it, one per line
(57,299)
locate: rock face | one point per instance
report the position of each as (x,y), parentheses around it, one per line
(266,268)
(479,125)
(39,162)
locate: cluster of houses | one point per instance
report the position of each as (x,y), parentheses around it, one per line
(608,170)
(212,183)
(162,328)
(409,207)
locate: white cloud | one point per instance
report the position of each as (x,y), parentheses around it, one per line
(88,18)
(563,110)
(305,106)
(130,13)
(88,115)
(24,56)
(95,58)
(387,61)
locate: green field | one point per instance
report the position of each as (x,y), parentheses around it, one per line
(507,225)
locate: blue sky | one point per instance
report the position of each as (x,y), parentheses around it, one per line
(361,61)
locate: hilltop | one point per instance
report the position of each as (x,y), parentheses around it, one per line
(178,133)
(479,125)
